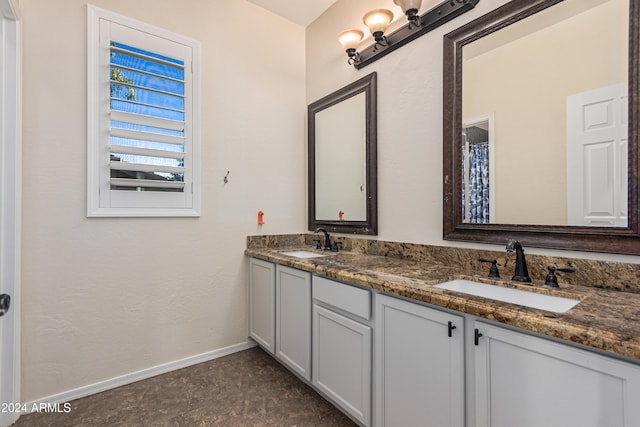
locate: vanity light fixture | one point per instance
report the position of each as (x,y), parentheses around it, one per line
(350,39)
(379,19)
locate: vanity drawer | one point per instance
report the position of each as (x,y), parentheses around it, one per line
(345,297)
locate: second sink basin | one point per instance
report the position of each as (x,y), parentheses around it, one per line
(303,254)
(513,296)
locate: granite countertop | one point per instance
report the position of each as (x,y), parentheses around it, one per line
(605,319)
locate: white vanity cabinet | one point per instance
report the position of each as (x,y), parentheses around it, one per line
(293,319)
(526,381)
(342,346)
(262,282)
(419,365)
(280,313)
(432,367)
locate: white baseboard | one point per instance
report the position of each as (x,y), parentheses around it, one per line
(132,377)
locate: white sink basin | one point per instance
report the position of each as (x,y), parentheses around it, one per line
(513,296)
(303,254)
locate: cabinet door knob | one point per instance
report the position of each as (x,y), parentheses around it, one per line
(450,328)
(476,336)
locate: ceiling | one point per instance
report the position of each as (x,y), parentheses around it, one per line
(301,12)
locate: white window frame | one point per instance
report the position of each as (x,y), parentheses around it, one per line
(101,200)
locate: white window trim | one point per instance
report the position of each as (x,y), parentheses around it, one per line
(94,157)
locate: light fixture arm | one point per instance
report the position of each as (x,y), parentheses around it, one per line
(381,40)
(413,18)
(378,36)
(354,56)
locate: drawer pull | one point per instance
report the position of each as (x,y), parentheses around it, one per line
(450,328)
(476,337)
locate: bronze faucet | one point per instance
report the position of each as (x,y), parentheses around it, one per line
(521,273)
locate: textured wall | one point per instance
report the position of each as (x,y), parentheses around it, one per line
(410,118)
(105,297)
(409,114)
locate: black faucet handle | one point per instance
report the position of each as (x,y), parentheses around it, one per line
(318,244)
(336,246)
(563,269)
(551,281)
(493,271)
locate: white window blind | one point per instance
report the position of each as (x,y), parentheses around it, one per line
(143,146)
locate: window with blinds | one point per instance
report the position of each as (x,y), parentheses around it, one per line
(147,120)
(143,145)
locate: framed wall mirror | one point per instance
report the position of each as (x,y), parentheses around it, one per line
(342,138)
(541,118)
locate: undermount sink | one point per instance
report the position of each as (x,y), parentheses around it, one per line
(303,254)
(510,295)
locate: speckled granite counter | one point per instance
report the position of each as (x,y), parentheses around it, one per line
(607,318)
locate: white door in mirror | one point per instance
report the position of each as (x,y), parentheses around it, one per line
(597,149)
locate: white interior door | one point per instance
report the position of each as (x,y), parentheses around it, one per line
(10,107)
(597,157)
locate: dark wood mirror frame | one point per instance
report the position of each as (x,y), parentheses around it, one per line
(368,85)
(595,239)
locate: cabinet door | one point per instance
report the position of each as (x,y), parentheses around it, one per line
(293,319)
(419,367)
(262,303)
(527,381)
(342,362)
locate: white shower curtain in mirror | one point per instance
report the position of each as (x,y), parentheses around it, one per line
(478,184)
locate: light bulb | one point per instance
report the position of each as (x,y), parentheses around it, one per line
(377,20)
(350,39)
